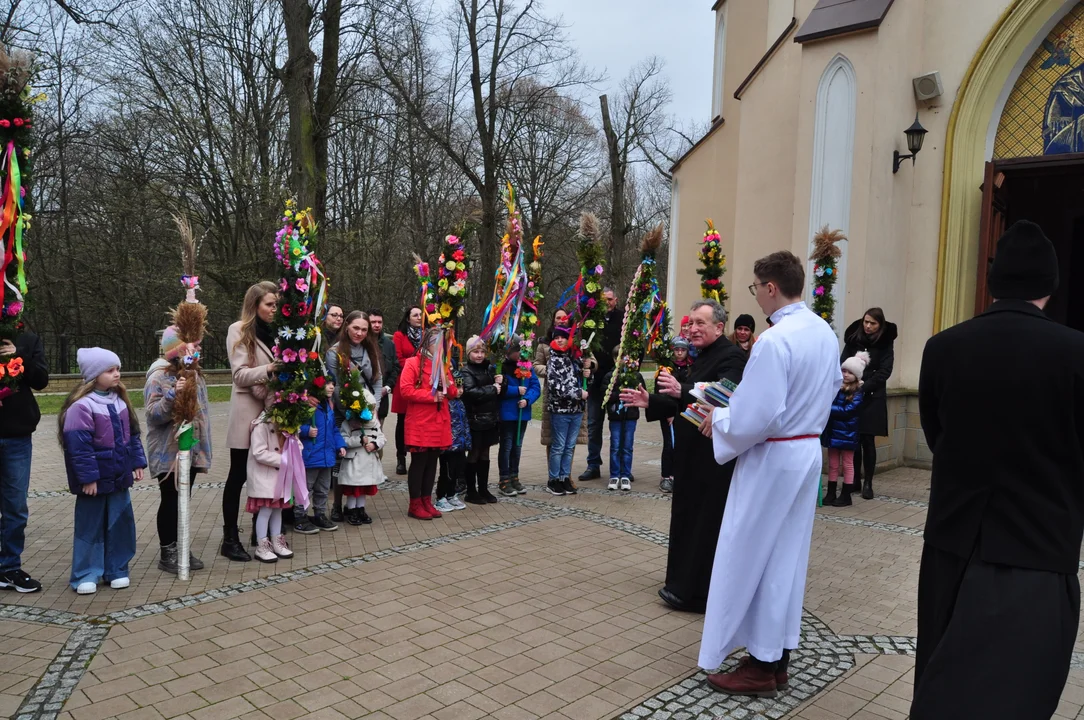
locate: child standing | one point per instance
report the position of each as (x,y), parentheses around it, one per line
(453,461)
(264,461)
(321,445)
(622,433)
(841,434)
(516,401)
(482,397)
(566,400)
(428,429)
(99,432)
(682,365)
(361,472)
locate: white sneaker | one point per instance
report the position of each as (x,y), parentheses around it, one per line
(264,553)
(457,503)
(444,506)
(280,547)
(612,485)
(119,583)
(626,484)
(87,588)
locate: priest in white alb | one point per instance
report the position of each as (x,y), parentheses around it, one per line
(772,427)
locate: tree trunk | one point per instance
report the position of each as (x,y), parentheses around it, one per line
(617,181)
(298,80)
(326,99)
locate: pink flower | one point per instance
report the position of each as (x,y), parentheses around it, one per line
(819,290)
(302,284)
(283,285)
(598,269)
(303,355)
(591,302)
(293,397)
(289,355)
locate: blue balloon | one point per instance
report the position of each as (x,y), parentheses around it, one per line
(828,271)
(366,414)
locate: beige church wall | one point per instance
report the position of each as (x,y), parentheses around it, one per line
(707,179)
(766,168)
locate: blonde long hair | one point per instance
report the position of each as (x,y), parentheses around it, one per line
(253,296)
(81,392)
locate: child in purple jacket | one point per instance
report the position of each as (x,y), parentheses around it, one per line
(99,433)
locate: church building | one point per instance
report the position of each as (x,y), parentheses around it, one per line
(819,108)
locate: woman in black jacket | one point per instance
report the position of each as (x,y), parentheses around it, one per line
(875,335)
(482,399)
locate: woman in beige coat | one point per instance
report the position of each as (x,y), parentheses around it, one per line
(249,342)
(541,358)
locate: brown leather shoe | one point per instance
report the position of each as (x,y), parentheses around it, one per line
(782,677)
(749,678)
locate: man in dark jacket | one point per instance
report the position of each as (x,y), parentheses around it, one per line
(1001,399)
(389,363)
(611,338)
(19,416)
(701,485)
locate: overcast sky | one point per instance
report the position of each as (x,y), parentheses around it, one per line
(614,35)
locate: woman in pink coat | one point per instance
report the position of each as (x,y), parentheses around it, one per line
(249,342)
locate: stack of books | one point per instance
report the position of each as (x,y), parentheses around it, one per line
(709,396)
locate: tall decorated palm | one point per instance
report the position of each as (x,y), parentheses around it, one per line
(501,318)
(713,265)
(16,136)
(645,314)
(589,317)
(825,257)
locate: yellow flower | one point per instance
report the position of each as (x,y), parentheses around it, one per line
(450,264)
(356,406)
(445,309)
(459,266)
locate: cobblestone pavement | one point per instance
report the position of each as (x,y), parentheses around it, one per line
(534,607)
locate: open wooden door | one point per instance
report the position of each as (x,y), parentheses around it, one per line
(991,227)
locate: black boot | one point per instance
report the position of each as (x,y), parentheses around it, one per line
(830,496)
(400,466)
(168,558)
(231,545)
(844,498)
(867,489)
(481,469)
(472,495)
(252,540)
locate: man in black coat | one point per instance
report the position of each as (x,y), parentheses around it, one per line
(701,485)
(389,361)
(19,416)
(611,338)
(1001,399)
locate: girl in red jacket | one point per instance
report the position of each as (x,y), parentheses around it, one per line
(407,338)
(428,427)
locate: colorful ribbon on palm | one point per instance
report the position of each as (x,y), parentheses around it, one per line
(443,302)
(502,315)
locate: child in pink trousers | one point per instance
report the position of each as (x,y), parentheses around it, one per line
(841,434)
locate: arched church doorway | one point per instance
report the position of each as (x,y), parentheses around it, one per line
(1037,169)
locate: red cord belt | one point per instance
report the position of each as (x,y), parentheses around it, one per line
(796,437)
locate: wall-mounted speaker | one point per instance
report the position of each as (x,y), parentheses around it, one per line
(928,87)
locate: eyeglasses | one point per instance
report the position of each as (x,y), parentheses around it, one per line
(753,288)
(335,315)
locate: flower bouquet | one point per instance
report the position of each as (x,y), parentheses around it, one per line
(825,256)
(713,263)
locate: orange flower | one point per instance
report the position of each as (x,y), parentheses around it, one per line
(3,371)
(15,367)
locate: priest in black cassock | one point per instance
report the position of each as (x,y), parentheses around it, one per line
(1001,399)
(700,484)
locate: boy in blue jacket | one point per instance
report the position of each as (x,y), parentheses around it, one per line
(517,397)
(321,446)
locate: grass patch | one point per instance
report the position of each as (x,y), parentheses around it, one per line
(51,404)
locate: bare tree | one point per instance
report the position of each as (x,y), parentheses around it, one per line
(496,47)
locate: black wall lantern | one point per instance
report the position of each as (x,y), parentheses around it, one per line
(915,135)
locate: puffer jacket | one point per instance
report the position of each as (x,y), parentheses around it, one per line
(841,432)
(617,411)
(480,396)
(99,445)
(428,423)
(321,451)
(158,397)
(564,378)
(510,397)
